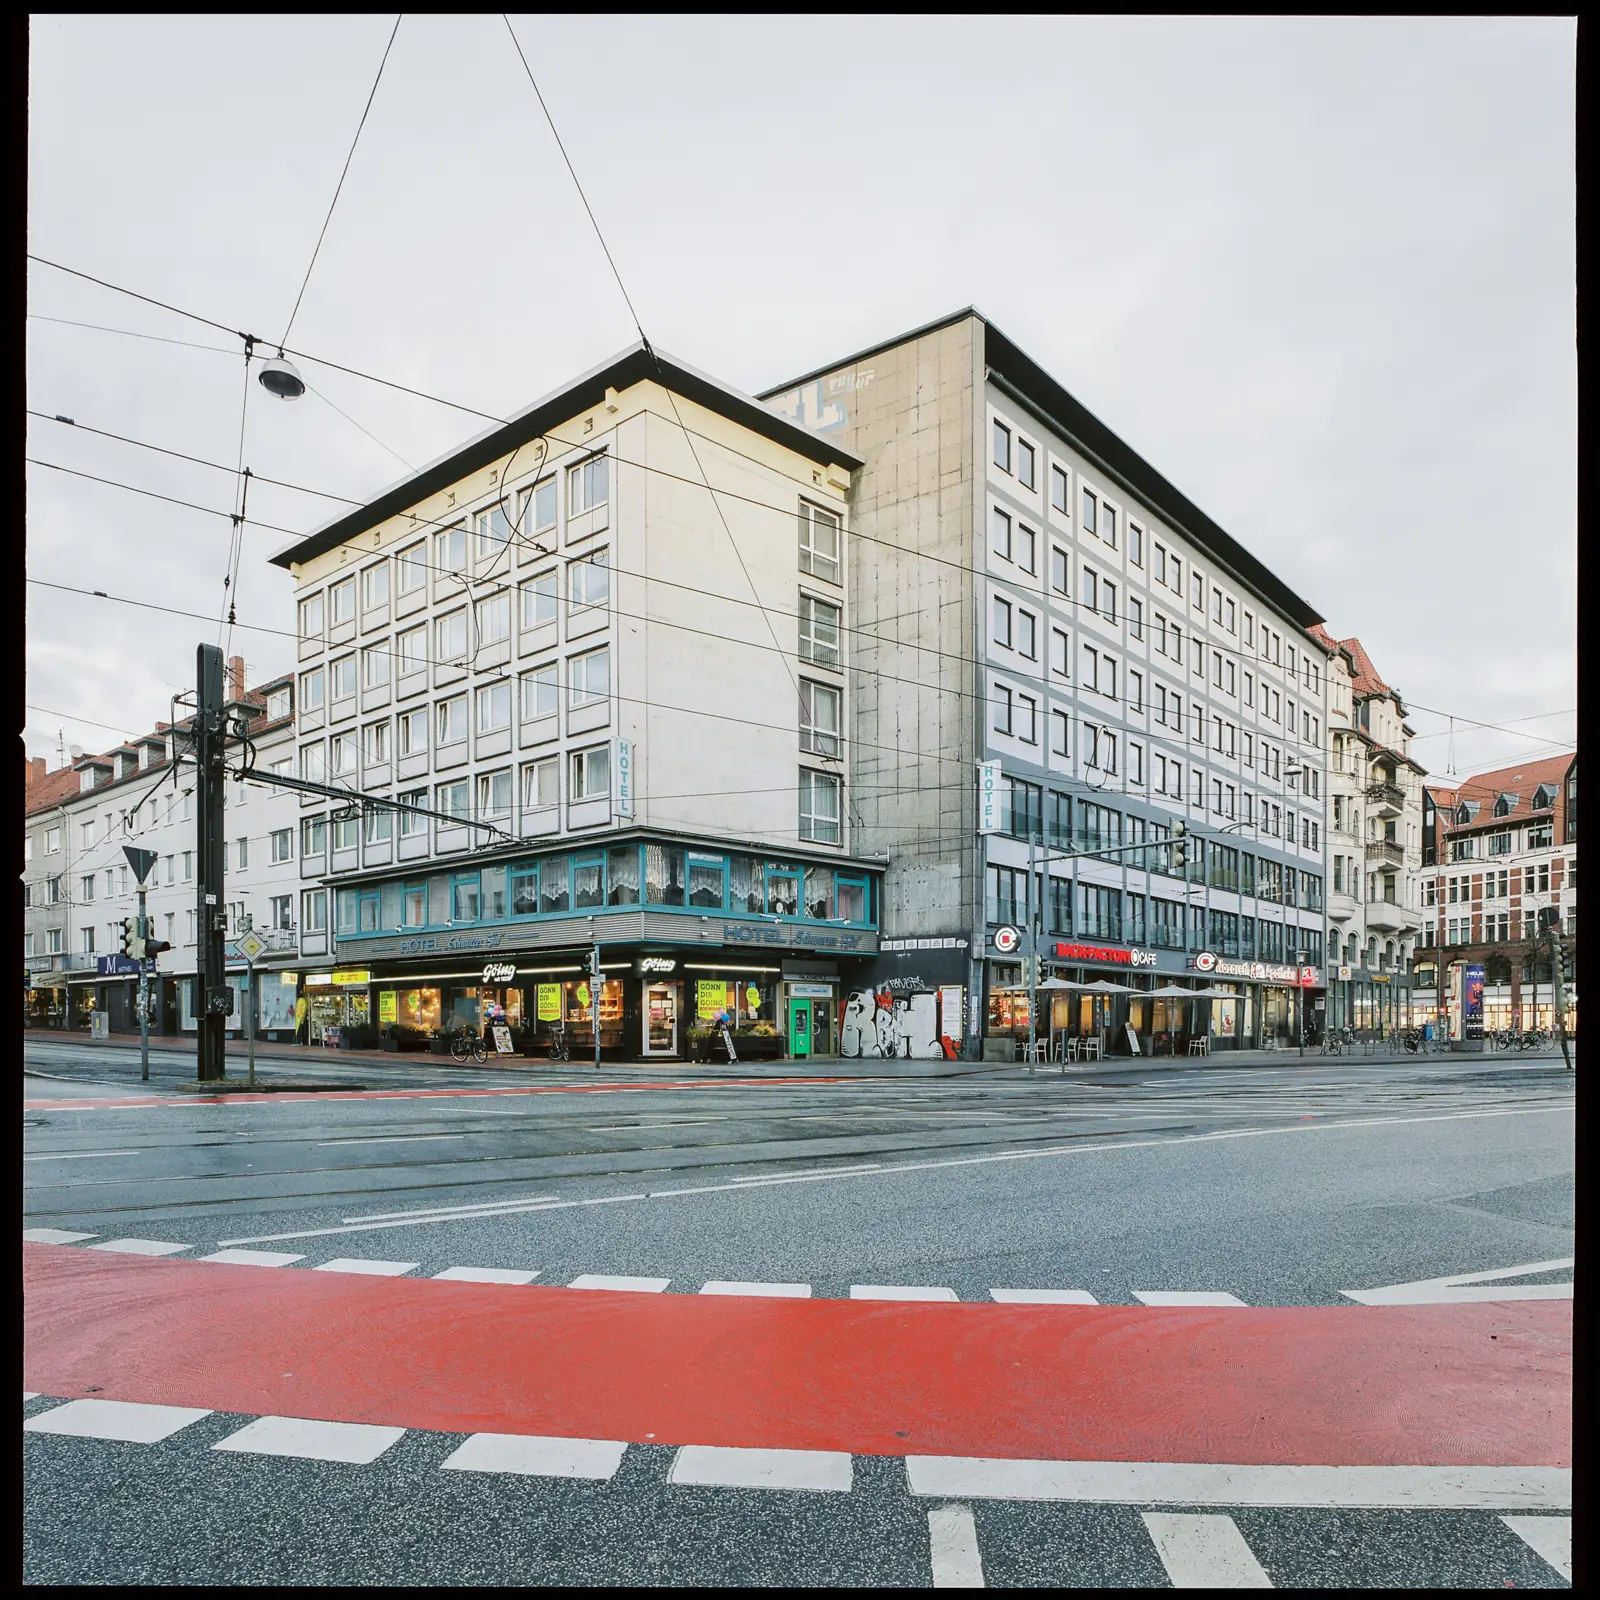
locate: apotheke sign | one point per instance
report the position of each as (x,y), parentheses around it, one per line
(1105,954)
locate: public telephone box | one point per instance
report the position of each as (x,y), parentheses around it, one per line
(800,1028)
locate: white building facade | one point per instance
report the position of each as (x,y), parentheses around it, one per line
(605,646)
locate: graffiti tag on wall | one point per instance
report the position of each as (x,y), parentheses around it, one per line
(880,1024)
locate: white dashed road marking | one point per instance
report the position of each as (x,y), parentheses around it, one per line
(898,1291)
(794,1291)
(607,1280)
(140,1247)
(1204,1552)
(1184,1297)
(252,1258)
(538,1457)
(1044,1297)
(726,1468)
(115,1419)
(485,1275)
(53,1236)
(953,1545)
(1549,1537)
(373,1269)
(357,1443)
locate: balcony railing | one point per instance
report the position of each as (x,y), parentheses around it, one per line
(1387,851)
(1387,794)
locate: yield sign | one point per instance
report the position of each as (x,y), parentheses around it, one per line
(140,860)
(1464,1287)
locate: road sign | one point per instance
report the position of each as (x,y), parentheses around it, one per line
(140,860)
(251,945)
(1006,939)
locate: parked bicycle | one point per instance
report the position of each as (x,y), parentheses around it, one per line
(465,1044)
(1412,1040)
(560,1047)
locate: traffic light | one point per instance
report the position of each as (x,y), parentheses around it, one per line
(1568,962)
(154,947)
(591,964)
(1180,849)
(133,942)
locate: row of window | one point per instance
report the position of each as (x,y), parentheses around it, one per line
(1091,911)
(1497,927)
(1534,878)
(1057,820)
(1018,456)
(282,915)
(623,875)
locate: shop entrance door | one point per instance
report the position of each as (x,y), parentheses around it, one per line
(822,1028)
(661,1019)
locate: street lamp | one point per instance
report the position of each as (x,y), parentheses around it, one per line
(279,377)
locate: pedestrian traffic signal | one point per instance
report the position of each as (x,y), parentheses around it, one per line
(1180,849)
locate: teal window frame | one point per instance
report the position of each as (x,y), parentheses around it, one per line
(704,859)
(365,898)
(417,886)
(593,858)
(458,880)
(793,874)
(523,870)
(864,884)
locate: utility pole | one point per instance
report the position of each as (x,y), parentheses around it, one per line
(594,1000)
(1033,950)
(146,947)
(213,998)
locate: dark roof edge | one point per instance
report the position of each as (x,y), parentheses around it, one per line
(631,366)
(1034,386)
(875,349)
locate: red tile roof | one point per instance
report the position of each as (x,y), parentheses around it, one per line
(1486,787)
(45,793)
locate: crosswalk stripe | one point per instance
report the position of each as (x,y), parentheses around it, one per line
(252,1258)
(357,1443)
(372,1269)
(607,1280)
(53,1236)
(1044,1297)
(536,1457)
(724,1467)
(1185,1297)
(898,1291)
(1548,1537)
(1207,1484)
(140,1247)
(953,1546)
(1204,1552)
(121,1420)
(484,1275)
(793,1291)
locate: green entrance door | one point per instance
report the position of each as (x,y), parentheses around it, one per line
(799,1028)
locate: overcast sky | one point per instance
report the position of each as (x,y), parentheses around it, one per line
(1319,273)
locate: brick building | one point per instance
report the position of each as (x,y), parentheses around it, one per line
(1500,861)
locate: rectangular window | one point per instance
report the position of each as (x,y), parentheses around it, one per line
(1001,699)
(379,825)
(494,707)
(543,507)
(1090,507)
(311,690)
(1091,590)
(1060,733)
(313,762)
(494,618)
(539,599)
(452,720)
(589,678)
(541,690)
(311,617)
(450,549)
(464,897)
(375,586)
(1175,575)
(1108,600)
(413,735)
(819,718)
(454,800)
(1135,544)
(313,839)
(819,807)
(1027,719)
(375,667)
(541,785)
(1025,464)
(819,542)
(819,631)
(1059,490)
(1002,622)
(665,875)
(1135,690)
(344,833)
(588,484)
(450,637)
(342,678)
(1160,569)
(411,568)
(412,648)
(494,796)
(1002,446)
(1108,525)
(590,773)
(342,602)
(1060,652)
(491,534)
(1000,533)
(589,584)
(375,743)
(1135,617)
(1136,764)
(1059,569)
(1027,548)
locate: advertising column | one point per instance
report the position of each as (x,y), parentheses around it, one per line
(1472,1007)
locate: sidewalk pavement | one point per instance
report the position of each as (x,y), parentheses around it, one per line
(422,1065)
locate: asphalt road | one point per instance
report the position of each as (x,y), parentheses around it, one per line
(1279,1185)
